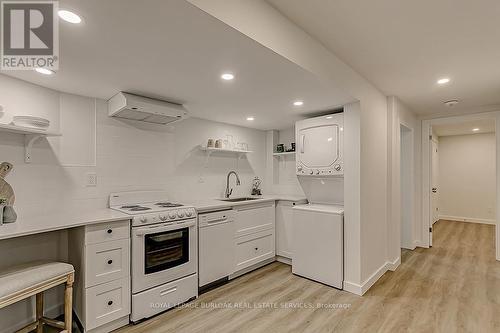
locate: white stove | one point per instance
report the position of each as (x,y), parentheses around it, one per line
(149,207)
(164,251)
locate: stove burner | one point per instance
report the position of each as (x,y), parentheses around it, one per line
(129,206)
(167,204)
(139,208)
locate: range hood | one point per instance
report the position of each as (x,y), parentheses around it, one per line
(128,106)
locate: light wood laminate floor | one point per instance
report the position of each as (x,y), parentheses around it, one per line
(452,287)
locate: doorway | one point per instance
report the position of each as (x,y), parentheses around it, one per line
(459,172)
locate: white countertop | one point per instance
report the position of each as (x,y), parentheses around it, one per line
(29,225)
(205,205)
(35,224)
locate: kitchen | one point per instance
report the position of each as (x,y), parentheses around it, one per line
(182,161)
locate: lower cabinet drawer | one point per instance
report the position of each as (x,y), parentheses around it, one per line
(254,248)
(105,232)
(107,302)
(106,262)
(155,300)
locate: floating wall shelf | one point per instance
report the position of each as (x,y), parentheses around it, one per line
(31,135)
(209,151)
(286,153)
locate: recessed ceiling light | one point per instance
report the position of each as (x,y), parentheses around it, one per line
(69,16)
(444,80)
(227,76)
(452,102)
(250,118)
(298,103)
(44,71)
(475,129)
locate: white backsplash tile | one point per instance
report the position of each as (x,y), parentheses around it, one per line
(129,156)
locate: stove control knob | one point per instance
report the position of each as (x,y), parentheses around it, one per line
(143,219)
(163,217)
(311,172)
(180,214)
(172,215)
(317,172)
(299,168)
(337,167)
(189,213)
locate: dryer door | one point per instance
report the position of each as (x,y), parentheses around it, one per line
(319,146)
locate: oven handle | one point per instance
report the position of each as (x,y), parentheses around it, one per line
(139,232)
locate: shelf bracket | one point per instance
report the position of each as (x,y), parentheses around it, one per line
(29,141)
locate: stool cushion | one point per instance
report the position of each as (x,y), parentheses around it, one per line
(21,277)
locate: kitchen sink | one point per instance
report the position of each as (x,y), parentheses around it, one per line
(238,199)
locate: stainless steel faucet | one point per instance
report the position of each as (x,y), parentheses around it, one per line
(230,191)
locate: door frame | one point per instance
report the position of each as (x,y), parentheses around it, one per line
(426,171)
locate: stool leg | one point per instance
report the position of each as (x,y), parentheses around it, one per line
(68,304)
(39,312)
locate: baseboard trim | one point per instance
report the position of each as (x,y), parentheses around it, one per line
(368,283)
(353,288)
(467,219)
(420,244)
(284,260)
(392,266)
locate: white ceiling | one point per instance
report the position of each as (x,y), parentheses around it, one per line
(173,50)
(463,128)
(403,47)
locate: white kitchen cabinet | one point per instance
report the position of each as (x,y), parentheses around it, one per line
(284,218)
(254,236)
(101,257)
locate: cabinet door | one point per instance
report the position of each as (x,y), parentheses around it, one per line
(284,211)
(254,218)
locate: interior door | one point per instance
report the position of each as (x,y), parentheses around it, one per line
(434,183)
(319,145)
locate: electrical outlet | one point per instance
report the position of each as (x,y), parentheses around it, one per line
(91,179)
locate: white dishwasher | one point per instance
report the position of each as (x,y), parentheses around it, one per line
(216,246)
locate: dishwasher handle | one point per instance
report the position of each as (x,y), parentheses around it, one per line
(212,219)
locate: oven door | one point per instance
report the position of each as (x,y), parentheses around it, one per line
(162,253)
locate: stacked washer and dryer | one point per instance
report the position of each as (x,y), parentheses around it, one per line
(318,227)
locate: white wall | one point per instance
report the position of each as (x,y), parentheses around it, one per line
(467,174)
(126,156)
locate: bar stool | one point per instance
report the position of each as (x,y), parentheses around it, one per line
(23,281)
